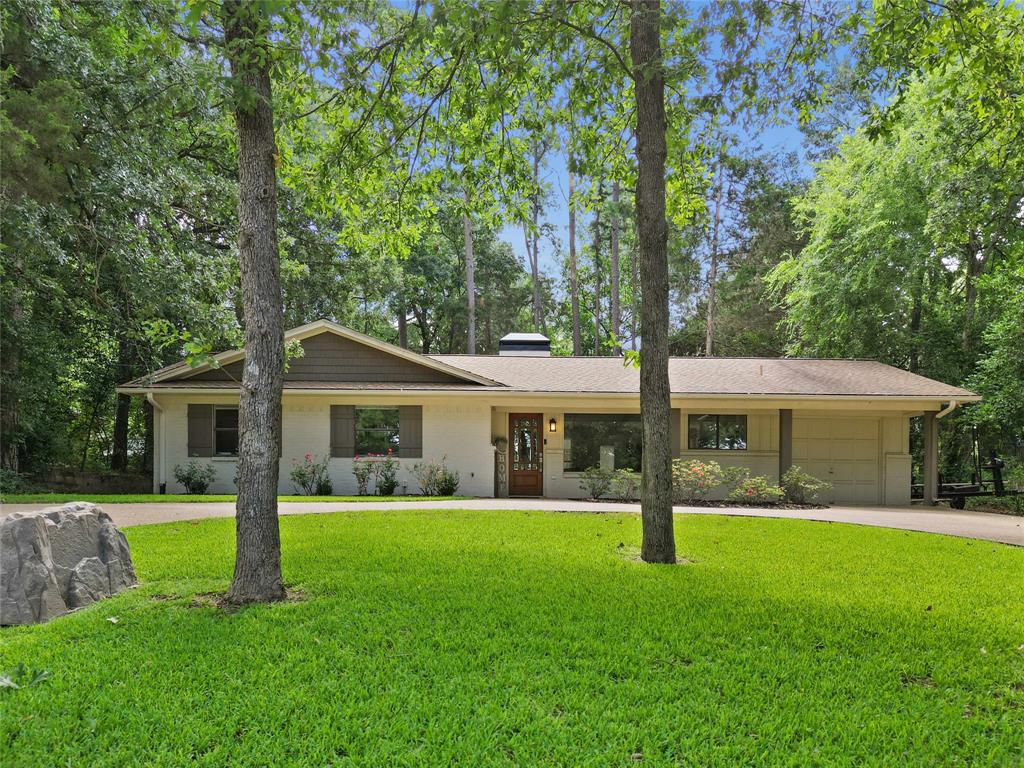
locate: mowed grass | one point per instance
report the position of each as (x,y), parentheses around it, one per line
(148,498)
(528,638)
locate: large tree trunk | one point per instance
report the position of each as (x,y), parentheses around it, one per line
(709,336)
(467,247)
(659,544)
(574,281)
(597,269)
(613,268)
(257,536)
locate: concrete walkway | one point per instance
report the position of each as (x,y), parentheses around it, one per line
(975,525)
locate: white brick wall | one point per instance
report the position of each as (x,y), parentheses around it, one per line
(460,428)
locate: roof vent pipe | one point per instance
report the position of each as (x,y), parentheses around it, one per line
(524,345)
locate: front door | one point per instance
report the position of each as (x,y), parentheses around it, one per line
(526,446)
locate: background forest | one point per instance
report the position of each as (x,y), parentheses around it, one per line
(892,228)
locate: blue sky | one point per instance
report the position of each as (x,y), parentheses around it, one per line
(554,175)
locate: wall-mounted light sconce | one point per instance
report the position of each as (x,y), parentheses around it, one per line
(552,425)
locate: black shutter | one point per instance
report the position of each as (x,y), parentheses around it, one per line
(343,431)
(410,432)
(674,432)
(200,430)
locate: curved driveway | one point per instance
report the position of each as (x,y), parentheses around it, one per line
(976,525)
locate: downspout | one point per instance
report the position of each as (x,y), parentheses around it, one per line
(953,404)
(158,410)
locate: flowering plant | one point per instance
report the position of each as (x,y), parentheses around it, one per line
(362,469)
(435,478)
(309,477)
(382,467)
(385,474)
(693,480)
(756,490)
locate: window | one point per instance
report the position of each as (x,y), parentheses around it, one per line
(376,430)
(711,432)
(225,431)
(609,440)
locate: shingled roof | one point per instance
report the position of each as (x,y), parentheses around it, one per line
(709,376)
(695,376)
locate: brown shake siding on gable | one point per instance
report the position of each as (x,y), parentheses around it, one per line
(331,358)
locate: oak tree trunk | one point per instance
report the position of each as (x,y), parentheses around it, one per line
(613,268)
(574,282)
(257,575)
(467,246)
(652,234)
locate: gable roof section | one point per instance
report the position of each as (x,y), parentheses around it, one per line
(711,376)
(333,354)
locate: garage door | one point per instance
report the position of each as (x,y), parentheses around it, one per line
(843,451)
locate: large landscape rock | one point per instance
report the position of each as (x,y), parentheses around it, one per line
(59,559)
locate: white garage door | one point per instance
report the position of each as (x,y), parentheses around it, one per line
(843,451)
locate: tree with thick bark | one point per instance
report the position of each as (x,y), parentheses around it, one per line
(658,545)
(257,576)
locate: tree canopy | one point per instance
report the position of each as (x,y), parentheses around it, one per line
(398,126)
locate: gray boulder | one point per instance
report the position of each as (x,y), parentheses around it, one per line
(58,559)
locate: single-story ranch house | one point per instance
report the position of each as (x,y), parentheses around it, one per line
(524,423)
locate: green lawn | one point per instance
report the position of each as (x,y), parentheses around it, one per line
(528,638)
(149,498)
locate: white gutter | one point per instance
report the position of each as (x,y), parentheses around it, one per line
(947,410)
(159,411)
(523,393)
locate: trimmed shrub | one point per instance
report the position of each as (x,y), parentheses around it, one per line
(625,485)
(800,487)
(596,482)
(195,477)
(756,490)
(693,480)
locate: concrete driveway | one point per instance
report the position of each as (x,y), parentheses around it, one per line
(975,525)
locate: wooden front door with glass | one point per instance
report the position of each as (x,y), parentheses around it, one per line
(526,454)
